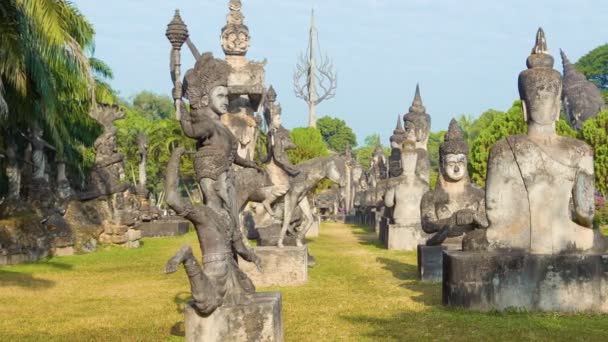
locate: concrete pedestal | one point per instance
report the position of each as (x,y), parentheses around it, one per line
(164,228)
(405,238)
(269,236)
(260,320)
(313,232)
(430,263)
(498,281)
(287,266)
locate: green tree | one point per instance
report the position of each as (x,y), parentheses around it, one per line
(595,133)
(163,136)
(309,144)
(365,153)
(595,66)
(336,134)
(154,105)
(435,140)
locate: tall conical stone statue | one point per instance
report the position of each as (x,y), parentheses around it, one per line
(581,98)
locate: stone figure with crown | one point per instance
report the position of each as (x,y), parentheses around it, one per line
(451,210)
(540,250)
(221,291)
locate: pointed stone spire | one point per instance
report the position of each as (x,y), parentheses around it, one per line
(454,142)
(271,95)
(581,98)
(540,57)
(417,106)
(399,127)
(399,133)
(541,43)
(235,34)
(570,72)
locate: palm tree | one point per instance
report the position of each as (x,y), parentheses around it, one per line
(46,73)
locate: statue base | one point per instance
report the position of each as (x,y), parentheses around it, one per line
(168,228)
(260,320)
(404,238)
(287,266)
(499,281)
(269,236)
(313,232)
(430,263)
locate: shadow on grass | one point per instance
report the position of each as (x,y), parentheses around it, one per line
(25,280)
(367,238)
(180,299)
(426,293)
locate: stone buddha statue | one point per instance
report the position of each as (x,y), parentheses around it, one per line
(405,192)
(417,125)
(397,140)
(540,186)
(455,206)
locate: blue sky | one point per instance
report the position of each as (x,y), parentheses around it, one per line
(465,54)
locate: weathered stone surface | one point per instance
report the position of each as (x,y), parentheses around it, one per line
(287,266)
(455,206)
(63,251)
(313,232)
(526,170)
(405,238)
(164,228)
(499,281)
(430,263)
(260,320)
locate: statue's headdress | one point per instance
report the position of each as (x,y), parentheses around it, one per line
(208,73)
(271,109)
(418,116)
(540,81)
(453,142)
(399,133)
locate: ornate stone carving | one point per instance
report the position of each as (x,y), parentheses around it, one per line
(582,99)
(455,206)
(235,34)
(524,171)
(217,221)
(106,175)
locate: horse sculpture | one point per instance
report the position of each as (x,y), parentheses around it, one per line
(311,173)
(256,187)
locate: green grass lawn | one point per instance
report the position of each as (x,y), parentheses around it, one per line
(357,292)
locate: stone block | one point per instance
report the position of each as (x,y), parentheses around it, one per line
(269,236)
(499,281)
(134,234)
(405,238)
(119,239)
(287,266)
(63,251)
(260,320)
(430,263)
(164,228)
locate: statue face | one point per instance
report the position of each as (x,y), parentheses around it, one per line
(454,167)
(410,131)
(276,121)
(544,110)
(219,100)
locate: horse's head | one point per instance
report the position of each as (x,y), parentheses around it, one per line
(336,171)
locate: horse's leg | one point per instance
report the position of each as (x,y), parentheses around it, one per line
(308,220)
(287,213)
(275,192)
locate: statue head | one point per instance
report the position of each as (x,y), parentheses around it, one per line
(205,86)
(272,112)
(417,123)
(540,86)
(409,159)
(453,155)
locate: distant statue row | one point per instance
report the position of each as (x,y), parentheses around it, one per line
(540,186)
